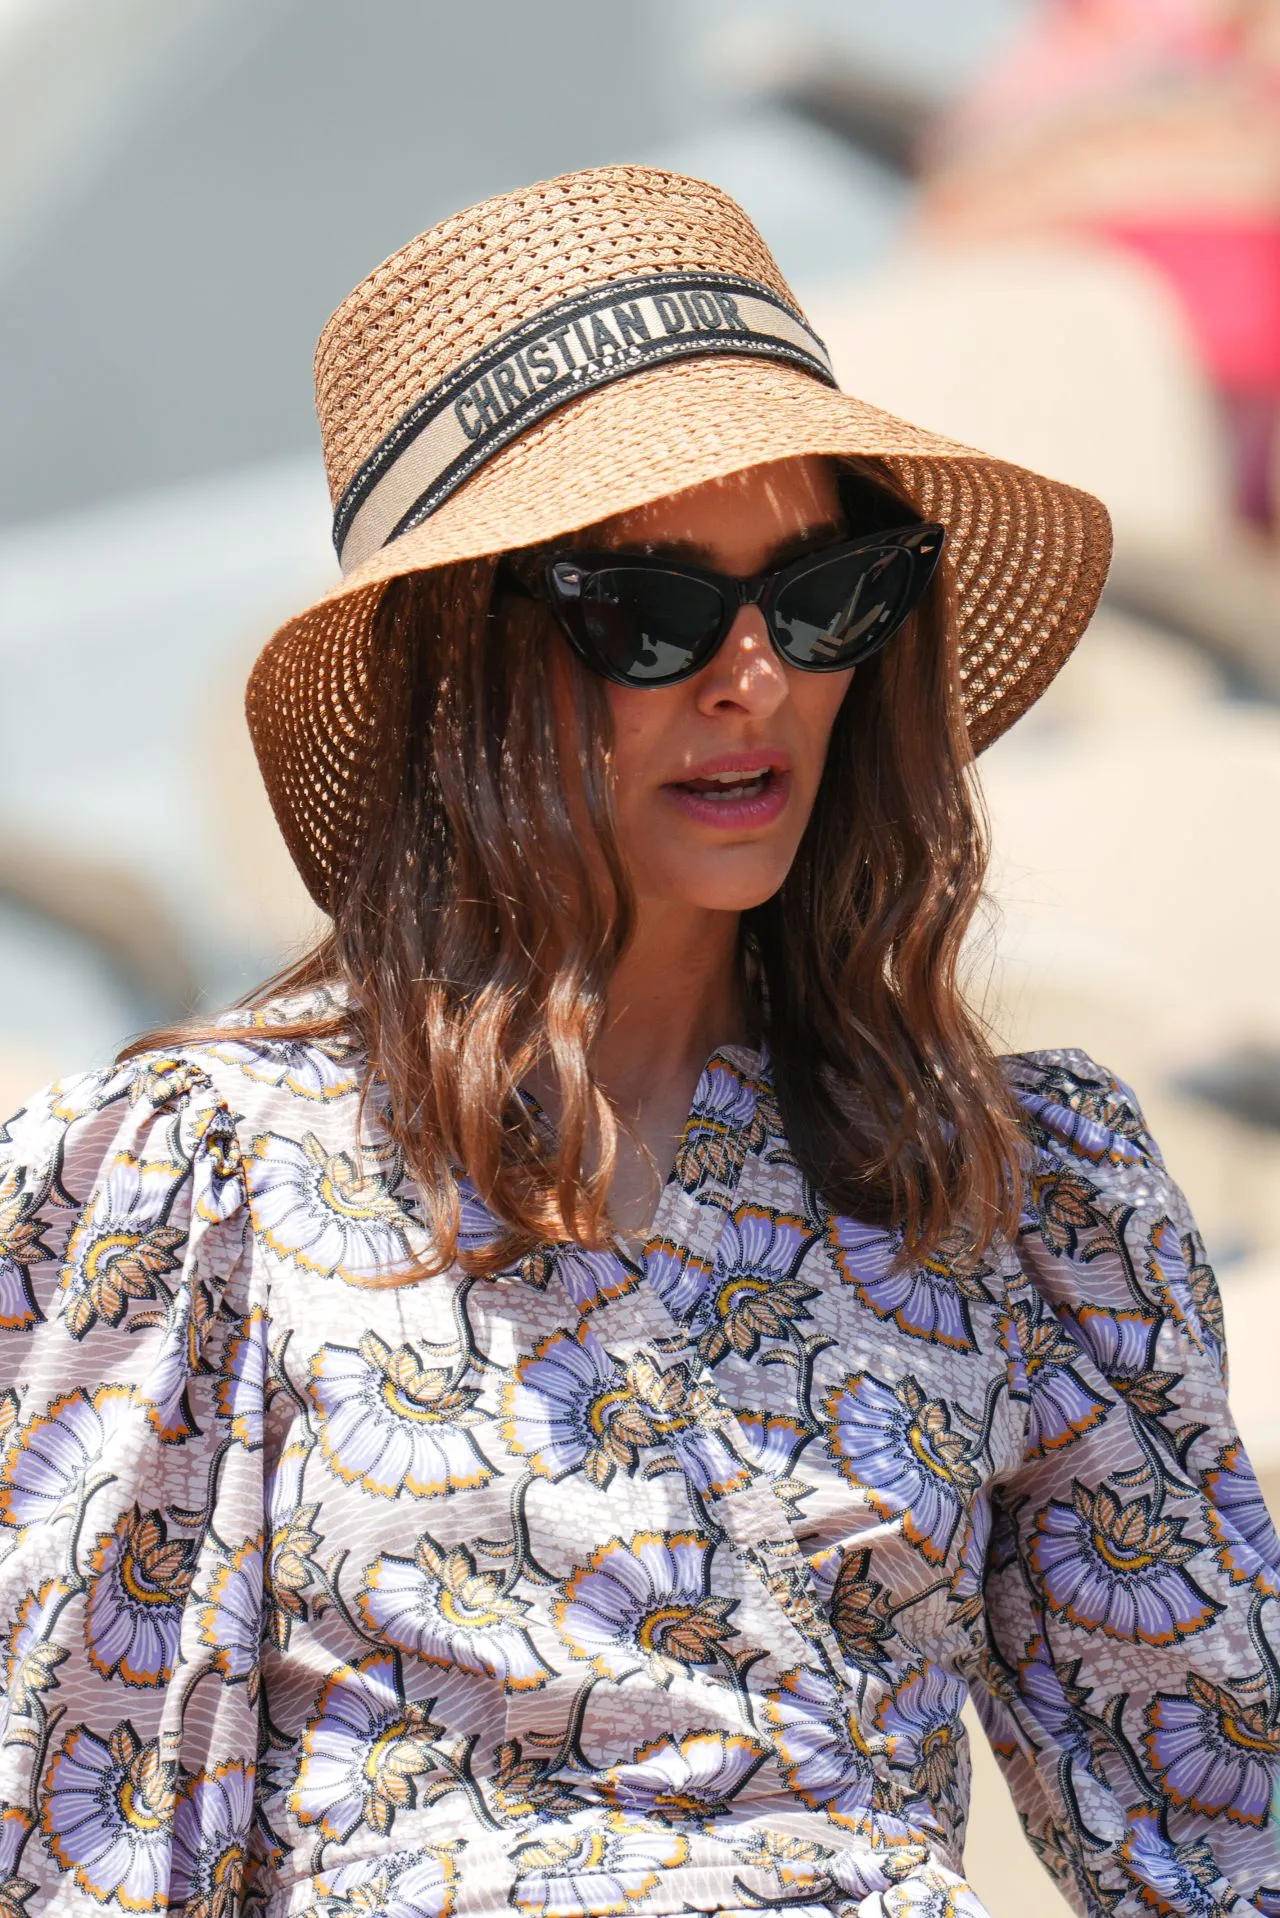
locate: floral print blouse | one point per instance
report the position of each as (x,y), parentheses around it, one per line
(607,1587)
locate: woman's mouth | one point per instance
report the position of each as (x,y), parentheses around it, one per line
(738,796)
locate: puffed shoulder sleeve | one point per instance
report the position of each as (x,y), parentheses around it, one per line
(1130,1683)
(131,1504)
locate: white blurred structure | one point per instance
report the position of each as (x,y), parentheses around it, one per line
(1066,357)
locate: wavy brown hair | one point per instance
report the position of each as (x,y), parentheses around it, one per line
(489,904)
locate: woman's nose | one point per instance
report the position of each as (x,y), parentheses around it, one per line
(745,674)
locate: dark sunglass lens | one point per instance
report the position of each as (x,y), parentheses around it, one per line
(645,625)
(840,612)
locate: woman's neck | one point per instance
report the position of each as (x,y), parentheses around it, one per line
(677,994)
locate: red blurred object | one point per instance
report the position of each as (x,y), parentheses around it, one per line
(1227,274)
(1228,279)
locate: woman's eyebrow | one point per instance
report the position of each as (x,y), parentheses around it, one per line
(694,551)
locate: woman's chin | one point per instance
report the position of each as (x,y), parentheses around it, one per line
(723,884)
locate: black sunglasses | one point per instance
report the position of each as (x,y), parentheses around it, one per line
(652,622)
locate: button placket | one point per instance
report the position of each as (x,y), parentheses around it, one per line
(756,1522)
(752,1517)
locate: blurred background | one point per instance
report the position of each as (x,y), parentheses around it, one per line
(1047,227)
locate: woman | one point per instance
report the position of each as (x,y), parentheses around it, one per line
(419,1500)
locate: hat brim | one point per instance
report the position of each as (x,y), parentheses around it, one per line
(1028,556)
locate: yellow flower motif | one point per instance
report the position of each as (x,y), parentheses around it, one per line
(324,1211)
(21,1246)
(141,1579)
(123,1243)
(393,1424)
(440,1607)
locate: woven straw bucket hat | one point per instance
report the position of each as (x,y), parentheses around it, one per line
(563,353)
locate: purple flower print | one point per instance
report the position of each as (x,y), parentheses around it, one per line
(1177,1270)
(1062,1407)
(16,1828)
(591,1278)
(123,1247)
(920,1720)
(568,1408)
(855,1604)
(929,1298)
(164,1391)
(231,1615)
(572,1406)
(1053,1697)
(1117,1569)
(598,1870)
(646,1603)
(1214,1751)
(691,1778)
(968,1582)
(900,1447)
(1248,1549)
(107,1816)
(678,1276)
(30,1656)
(826,1758)
(1122,1346)
(392,1424)
(723,1126)
(439,1607)
(49,1457)
(292,1539)
(240,1394)
(774,1443)
(305,1069)
(402,1884)
(323,1211)
(1185,1878)
(139,1581)
(756,1293)
(364,1751)
(210,1834)
(22,1245)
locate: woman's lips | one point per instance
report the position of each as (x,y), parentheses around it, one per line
(733,795)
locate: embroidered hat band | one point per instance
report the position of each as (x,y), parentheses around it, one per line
(601,334)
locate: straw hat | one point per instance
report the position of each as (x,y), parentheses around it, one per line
(560,354)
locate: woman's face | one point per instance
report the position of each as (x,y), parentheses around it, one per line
(715,777)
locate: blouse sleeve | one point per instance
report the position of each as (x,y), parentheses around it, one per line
(1130,1682)
(131,1390)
